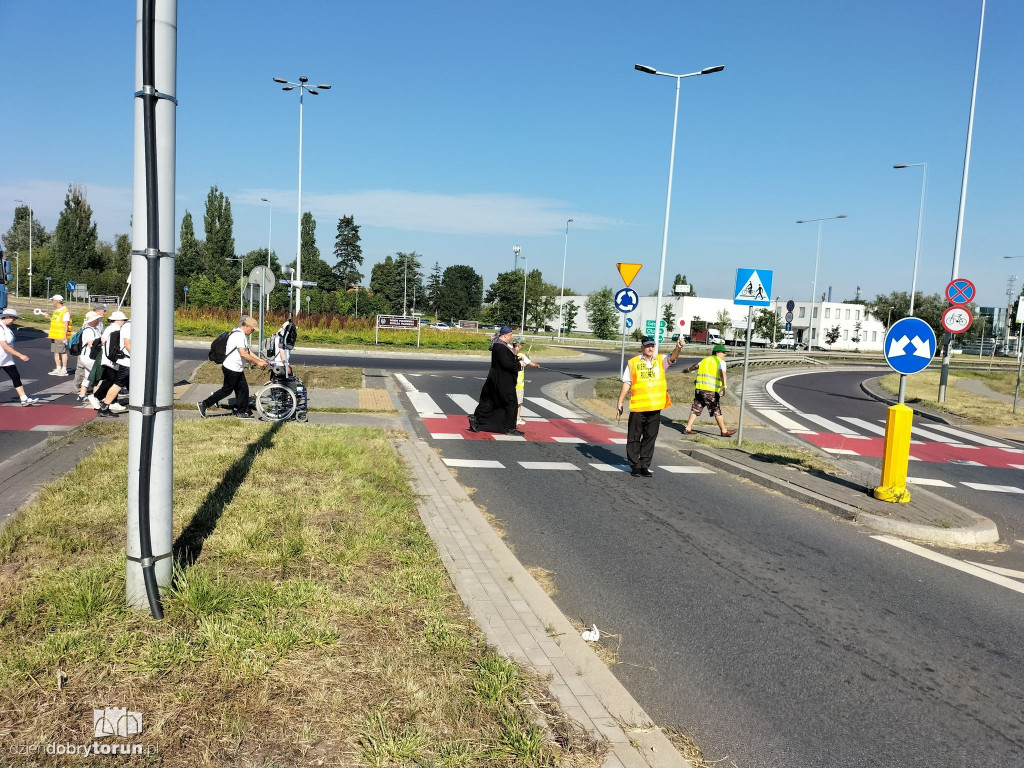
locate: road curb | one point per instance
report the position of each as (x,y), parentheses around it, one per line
(868,387)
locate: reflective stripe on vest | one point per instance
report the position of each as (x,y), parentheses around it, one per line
(649,389)
(708,374)
(59,331)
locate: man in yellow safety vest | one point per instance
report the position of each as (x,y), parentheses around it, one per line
(645,376)
(709,388)
(59,335)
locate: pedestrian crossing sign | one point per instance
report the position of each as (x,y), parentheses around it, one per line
(753,287)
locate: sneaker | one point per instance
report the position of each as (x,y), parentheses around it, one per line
(243,415)
(516,433)
(93,402)
(635,473)
(56,372)
(520,423)
(30,401)
(80,399)
(645,472)
(105,412)
(64,372)
(116,407)
(202,409)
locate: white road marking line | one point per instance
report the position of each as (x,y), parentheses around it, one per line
(1014,450)
(996,488)
(865,425)
(559,465)
(465,402)
(510,438)
(578,421)
(481,463)
(618,440)
(527,413)
(841,451)
(688,470)
(784,421)
(966,463)
(569,440)
(411,374)
(612,467)
(53,428)
(929,481)
(424,404)
(555,408)
(406,385)
(831,426)
(458,377)
(1001,571)
(969,437)
(1017,466)
(446,436)
(927,434)
(973,570)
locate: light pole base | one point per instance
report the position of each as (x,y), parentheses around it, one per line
(893,493)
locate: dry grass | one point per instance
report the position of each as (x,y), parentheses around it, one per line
(773,453)
(316,625)
(922,388)
(689,749)
(315,377)
(545,578)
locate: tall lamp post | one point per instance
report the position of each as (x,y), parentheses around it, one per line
(17,273)
(303,88)
(920,225)
(26,202)
(561,296)
(671,167)
(48,287)
(270,239)
(814,284)
(241,281)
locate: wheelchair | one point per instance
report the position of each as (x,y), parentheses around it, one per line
(283,398)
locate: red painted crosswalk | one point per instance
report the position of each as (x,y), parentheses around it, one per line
(44,418)
(874,447)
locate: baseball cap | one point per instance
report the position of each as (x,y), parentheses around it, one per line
(504,329)
(718,348)
(9,312)
(56,297)
(646,341)
(119,315)
(517,339)
(252,322)
(99,307)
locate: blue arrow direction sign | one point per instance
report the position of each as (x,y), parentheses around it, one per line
(626,300)
(753,288)
(71,285)
(629,322)
(909,345)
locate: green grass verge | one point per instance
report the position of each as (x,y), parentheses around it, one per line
(314,377)
(316,626)
(923,388)
(772,453)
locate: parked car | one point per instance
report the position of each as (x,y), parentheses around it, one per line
(442,326)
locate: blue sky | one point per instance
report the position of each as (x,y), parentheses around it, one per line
(459,129)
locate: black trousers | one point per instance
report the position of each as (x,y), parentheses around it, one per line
(234,381)
(641,433)
(110,377)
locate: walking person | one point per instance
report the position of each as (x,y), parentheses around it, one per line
(91,333)
(644,380)
(237,353)
(497,409)
(524,361)
(116,361)
(8,353)
(60,333)
(710,387)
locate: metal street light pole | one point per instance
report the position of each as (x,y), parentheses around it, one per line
(47,286)
(561,296)
(671,168)
(888,320)
(405,288)
(270,240)
(26,202)
(920,226)
(948,337)
(522,323)
(17,274)
(303,88)
(814,284)
(241,282)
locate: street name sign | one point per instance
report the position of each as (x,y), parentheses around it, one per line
(957,320)
(960,291)
(753,287)
(649,330)
(628,272)
(909,345)
(626,300)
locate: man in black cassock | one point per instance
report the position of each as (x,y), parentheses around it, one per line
(498,404)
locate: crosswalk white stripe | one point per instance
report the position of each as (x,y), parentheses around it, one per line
(831,426)
(569,440)
(465,402)
(424,404)
(446,436)
(481,463)
(995,488)
(927,434)
(1017,466)
(612,467)
(688,470)
(865,425)
(973,570)
(784,421)
(929,481)
(559,465)
(618,440)
(1001,571)
(968,436)
(556,409)
(509,438)
(406,384)
(841,451)
(966,462)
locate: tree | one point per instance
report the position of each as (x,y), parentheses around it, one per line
(218,224)
(601,313)
(545,307)
(669,317)
(409,276)
(928,307)
(767,325)
(681,280)
(122,261)
(571,310)
(432,291)
(16,238)
(505,296)
(189,259)
(314,268)
(384,284)
(856,332)
(461,294)
(348,252)
(832,336)
(74,239)
(724,320)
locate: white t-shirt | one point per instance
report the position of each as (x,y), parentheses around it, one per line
(236,341)
(89,334)
(628,379)
(6,335)
(126,355)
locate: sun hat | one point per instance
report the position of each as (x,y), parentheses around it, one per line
(9,312)
(119,315)
(718,348)
(57,297)
(91,317)
(647,341)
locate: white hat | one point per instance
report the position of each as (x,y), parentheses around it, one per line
(9,312)
(57,297)
(119,315)
(91,317)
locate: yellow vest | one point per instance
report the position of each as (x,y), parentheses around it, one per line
(649,389)
(521,379)
(708,374)
(57,327)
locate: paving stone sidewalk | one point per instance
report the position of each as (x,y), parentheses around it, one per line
(522,621)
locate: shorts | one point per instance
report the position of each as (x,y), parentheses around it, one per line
(703,399)
(519,395)
(58,347)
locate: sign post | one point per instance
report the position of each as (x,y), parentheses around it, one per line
(960,291)
(753,289)
(1020,351)
(626,300)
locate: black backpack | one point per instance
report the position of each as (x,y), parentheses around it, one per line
(219,348)
(290,335)
(114,346)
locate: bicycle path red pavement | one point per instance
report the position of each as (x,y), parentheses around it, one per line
(44,418)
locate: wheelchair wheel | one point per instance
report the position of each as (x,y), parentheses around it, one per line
(275,402)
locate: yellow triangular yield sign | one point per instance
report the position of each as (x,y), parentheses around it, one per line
(628,272)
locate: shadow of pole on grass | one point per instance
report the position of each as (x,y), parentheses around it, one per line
(189,544)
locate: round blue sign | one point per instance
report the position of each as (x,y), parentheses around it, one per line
(960,291)
(626,300)
(909,345)
(629,322)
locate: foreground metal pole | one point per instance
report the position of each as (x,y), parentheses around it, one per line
(152,380)
(743,386)
(1020,362)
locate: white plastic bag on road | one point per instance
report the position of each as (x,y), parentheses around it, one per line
(591,635)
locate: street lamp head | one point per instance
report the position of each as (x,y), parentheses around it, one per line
(280,80)
(324,87)
(841,216)
(303,79)
(570,221)
(642,68)
(264,200)
(901,165)
(801,222)
(288,88)
(710,70)
(313,92)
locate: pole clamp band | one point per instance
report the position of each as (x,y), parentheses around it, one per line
(150,410)
(149,90)
(145,562)
(152,253)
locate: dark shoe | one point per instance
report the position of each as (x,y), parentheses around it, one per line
(516,433)
(689,432)
(645,472)
(473,427)
(635,473)
(105,412)
(729,433)
(243,415)
(202,409)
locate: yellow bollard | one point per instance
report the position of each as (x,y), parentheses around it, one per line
(897,455)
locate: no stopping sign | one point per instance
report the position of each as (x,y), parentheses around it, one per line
(957,319)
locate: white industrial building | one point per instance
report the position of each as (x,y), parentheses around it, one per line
(852,320)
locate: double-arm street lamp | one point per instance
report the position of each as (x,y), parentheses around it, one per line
(303,89)
(561,297)
(522,323)
(26,202)
(814,283)
(671,167)
(920,225)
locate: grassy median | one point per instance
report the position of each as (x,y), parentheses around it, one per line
(923,388)
(311,621)
(313,376)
